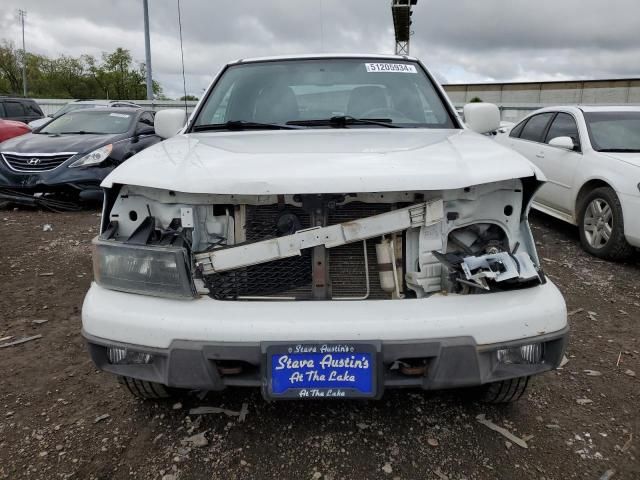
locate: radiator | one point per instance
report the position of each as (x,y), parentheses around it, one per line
(290,278)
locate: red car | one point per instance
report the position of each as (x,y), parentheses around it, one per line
(10,129)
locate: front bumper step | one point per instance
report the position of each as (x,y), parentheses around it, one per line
(449,362)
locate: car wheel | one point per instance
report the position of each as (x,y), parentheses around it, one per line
(148,390)
(602,225)
(505,391)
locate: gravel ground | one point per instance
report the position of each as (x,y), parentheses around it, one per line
(60,418)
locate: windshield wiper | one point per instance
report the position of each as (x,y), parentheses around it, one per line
(79,132)
(242,125)
(342,121)
(620,150)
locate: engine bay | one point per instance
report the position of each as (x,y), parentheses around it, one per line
(352,246)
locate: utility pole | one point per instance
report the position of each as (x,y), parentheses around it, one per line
(23,14)
(147,49)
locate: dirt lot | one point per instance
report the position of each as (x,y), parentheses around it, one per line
(60,418)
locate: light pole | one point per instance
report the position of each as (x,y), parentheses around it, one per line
(22,14)
(401,12)
(147,49)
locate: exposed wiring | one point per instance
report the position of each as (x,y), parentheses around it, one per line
(52,204)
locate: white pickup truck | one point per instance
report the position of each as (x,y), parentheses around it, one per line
(323,226)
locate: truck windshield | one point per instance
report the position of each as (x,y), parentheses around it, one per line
(614,131)
(325,93)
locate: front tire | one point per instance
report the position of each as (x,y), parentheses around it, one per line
(601,225)
(148,390)
(505,391)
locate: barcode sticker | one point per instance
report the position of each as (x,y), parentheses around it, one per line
(390,68)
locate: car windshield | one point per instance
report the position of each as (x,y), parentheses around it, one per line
(310,93)
(86,121)
(614,131)
(69,107)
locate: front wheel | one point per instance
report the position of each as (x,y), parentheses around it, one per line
(602,225)
(505,391)
(148,390)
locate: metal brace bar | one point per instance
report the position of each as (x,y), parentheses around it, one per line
(220,260)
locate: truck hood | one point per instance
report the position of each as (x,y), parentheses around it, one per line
(322,161)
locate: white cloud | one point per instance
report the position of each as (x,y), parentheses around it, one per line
(464,40)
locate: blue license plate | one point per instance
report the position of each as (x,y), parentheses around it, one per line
(321,371)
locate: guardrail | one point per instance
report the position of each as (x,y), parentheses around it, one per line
(511,112)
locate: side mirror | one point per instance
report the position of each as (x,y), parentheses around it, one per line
(562,142)
(145,130)
(169,122)
(482,117)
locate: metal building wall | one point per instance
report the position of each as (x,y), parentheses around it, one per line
(518,99)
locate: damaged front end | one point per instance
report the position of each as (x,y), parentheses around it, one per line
(351,246)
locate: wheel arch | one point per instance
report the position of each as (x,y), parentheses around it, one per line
(586,187)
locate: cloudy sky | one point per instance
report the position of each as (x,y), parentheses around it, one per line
(460,40)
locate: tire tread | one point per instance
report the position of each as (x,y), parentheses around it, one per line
(145,390)
(505,391)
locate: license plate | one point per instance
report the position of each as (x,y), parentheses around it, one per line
(321,370)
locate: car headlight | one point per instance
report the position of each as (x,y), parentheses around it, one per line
(148,270)
(96,157)
(524,354)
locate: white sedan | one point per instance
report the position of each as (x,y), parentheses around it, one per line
(591,158)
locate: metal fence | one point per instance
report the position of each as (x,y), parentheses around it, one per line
(51,105)
(515,100)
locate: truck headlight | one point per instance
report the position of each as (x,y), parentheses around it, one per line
(148,270)
(124,356)
(96,157)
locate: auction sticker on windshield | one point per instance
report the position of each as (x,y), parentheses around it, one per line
(323,370)
(390,68)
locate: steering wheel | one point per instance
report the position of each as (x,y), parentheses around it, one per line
(385,112)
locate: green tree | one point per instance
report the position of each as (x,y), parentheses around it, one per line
(118,76)
(189,98)
(115,75)
(10,71)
